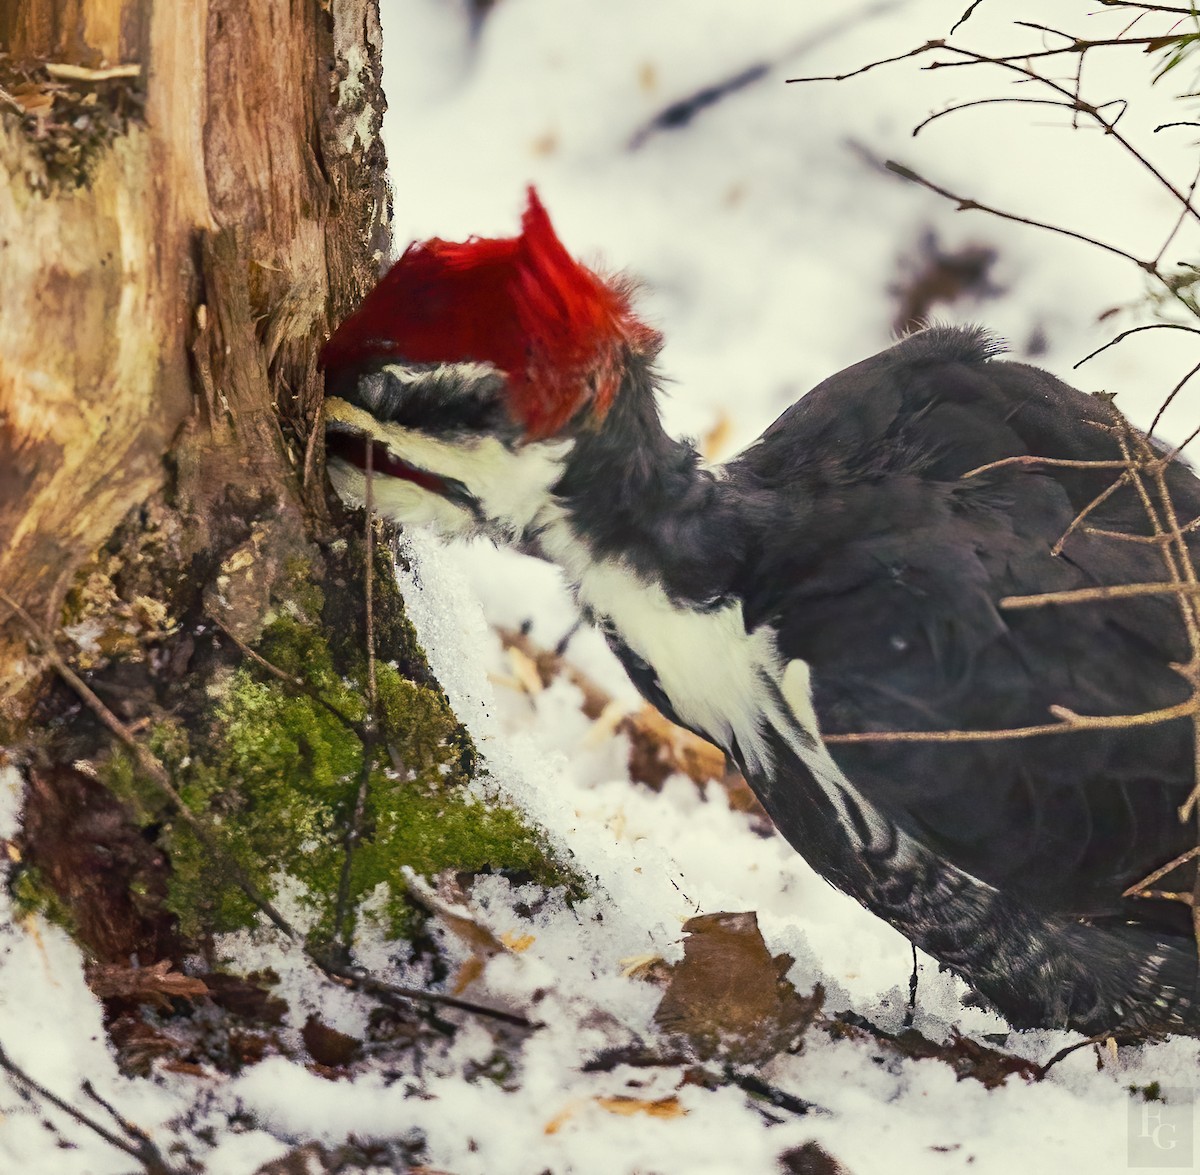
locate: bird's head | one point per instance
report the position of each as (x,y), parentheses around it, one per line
(468,373)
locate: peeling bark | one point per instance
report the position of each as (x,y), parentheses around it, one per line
(165,294)
(160,322)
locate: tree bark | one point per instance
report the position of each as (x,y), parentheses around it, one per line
(173,245)
(192,190)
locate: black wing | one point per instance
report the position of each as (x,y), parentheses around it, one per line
(883,568)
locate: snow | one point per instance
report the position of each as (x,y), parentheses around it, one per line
(767,241)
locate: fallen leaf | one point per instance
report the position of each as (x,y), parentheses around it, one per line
(517,942)
(247,996)
(649,968)
(565,1114)
(663,1107)
(729,996)
(459,920)
(810,1159)
(31,97)
(967,1057)
(470,971)
(327,1046)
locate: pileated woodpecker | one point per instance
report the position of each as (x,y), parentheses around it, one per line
(843,574)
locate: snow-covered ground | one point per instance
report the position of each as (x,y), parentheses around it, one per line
(769,242)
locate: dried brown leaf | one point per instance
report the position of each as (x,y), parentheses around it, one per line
(248,996)
(327,1046)
(729,996)
(663,1107)
(967,1057)
(810,1159)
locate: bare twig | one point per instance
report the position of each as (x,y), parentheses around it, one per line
(968,204)
(1146,7)
(1070,723)
(297,683)
(1029,459)
(144,1151)
(1062,104)
(966,16)
(1133,330)
(1109,126)
(841,77)
(1087,511)
(360,980)
(1168,401)
(1162,871)
(1078,45)
(1170,237)
(1087,1042)
(1154,540)
(370,734)
(1118,591)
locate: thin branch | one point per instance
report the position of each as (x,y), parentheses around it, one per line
(966,16)
(1147,7)
(359,980)
(1119,591)
(1133,330)
(1029,459)
(1181,217)
(370,735)
(1155,540)
(1109,126)
(1134,890)
(151,1156)
(967,204)
(144,1151)
(1183,444)
(1061,104)
(1069,723)
(1083,514)
(940,43)
(1087,1042)
(1167,403)
(1079,45)
(297,683)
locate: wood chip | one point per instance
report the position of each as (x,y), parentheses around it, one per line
(65,72)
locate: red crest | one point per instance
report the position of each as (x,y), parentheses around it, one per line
(556,329)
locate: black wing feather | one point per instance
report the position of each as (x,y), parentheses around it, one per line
(883,568)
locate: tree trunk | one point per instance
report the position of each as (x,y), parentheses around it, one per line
(174,240)
(192,192)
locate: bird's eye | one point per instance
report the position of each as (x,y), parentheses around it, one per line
(898,643)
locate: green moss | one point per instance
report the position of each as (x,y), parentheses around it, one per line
(278,775)
(31,895)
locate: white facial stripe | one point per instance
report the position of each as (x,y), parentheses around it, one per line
(512,486)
